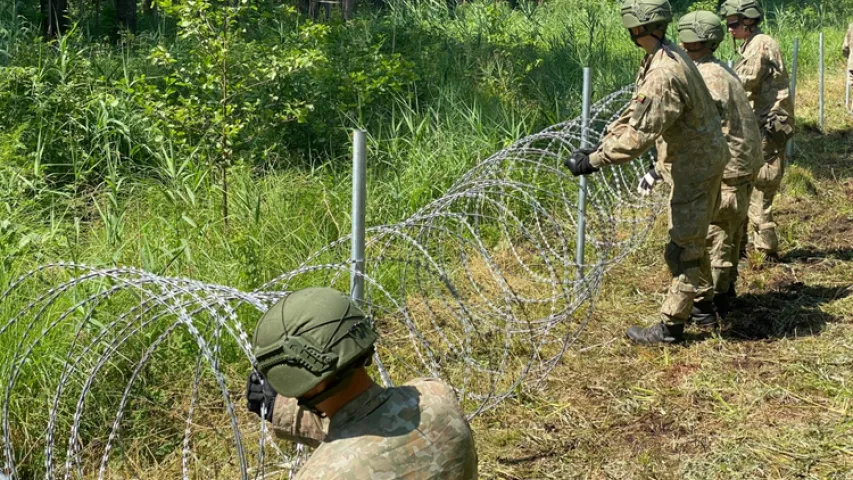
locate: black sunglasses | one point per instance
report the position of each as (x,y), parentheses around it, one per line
(734,24)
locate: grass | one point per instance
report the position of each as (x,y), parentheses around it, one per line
(769,398)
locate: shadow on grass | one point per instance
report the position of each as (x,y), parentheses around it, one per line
(811,255)
(790,310)
(827,156)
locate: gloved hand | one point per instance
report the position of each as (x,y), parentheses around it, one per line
(647,183)
(579,164)
(259,392)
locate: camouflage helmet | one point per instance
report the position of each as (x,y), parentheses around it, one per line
(742,8)
(636,13)
(701,27)
(309,336)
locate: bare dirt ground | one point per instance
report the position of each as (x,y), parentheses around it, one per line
(768,398)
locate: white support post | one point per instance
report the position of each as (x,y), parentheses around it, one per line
(359,197)
(581,241)
(794,65)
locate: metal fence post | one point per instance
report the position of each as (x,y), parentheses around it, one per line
(359,195)
(581,242)
(820,86)
(794,61)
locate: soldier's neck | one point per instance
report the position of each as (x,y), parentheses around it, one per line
(359,384)
(650,43)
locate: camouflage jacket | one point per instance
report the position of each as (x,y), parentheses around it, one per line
(762,71)
(674,111)
(415,431)
(293,423)
(740,126)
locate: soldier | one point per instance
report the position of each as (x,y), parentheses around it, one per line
(848,42)
(313,346)
(762,71)
(701,34)
(673,111)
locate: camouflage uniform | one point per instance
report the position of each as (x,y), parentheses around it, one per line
(295,424)
(762,71)
(674,111)
(742,133)
(848,44)
(415,431)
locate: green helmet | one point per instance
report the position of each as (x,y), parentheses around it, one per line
(701,26)
(742,8)
(309,336)
(636,13)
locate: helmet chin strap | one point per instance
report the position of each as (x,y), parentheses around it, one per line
(695,50)
(645,33)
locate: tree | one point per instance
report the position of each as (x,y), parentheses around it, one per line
(126,14)
(54,18)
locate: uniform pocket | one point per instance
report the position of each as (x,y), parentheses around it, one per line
(641,106)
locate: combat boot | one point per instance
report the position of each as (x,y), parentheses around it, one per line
(723,303)
(704,314)
(659,333)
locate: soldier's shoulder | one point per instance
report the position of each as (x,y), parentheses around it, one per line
(766,43)
(433,389)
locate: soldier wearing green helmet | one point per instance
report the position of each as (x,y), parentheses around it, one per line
(674,112)
(701,34)
(762,71)
(312,348)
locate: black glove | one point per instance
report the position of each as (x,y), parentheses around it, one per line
(647,183)
(579,164)
(258,394)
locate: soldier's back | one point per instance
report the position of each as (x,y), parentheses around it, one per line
(693,148)
(415,431)
(740,126)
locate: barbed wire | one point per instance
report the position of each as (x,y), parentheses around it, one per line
(480,288)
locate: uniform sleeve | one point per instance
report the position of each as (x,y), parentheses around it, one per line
(846,49)
(751,71)
(293,423)
(655,108)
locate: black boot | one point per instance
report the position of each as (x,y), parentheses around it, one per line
(722,302)
(704,315)
(659,333)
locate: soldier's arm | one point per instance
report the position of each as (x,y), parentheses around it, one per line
(751,71)
(846,48)
(652,112)
(294,423)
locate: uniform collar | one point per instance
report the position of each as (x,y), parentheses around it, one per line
(707,58)
(359,407)
(750,38)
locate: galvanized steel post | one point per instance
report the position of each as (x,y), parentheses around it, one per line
(820,86)
(794,61)
(581,242)
(359,195)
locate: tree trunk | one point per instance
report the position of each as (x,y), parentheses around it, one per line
(126,14)
(54,18)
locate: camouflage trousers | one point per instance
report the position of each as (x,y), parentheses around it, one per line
(726,232)
(762,227)
(691,208)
